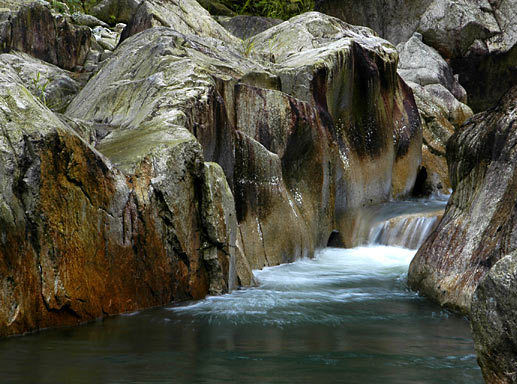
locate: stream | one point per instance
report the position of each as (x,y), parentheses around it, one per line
(345,316)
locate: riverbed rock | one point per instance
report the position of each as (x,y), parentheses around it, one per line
(118,205)
(216,8)
(452,26)
(225,109)
(93,239)
(494,322)
(88,20)
(36,30)
(54,86)
(479,225)
(395,20)
(220,223)
(244,26)
(440,99)
(184,16)
(115,11)
(478,38)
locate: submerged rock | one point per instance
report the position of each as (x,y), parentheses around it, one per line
(407,231)
(494,322)
(479,225)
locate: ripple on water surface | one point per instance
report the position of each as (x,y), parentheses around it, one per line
(345,316)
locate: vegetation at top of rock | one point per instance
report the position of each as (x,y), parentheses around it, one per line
(280,9)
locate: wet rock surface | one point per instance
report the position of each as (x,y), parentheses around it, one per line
(91,241)
(172,172)
(479,226)
(494,321)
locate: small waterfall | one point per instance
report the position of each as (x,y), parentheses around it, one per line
(404,224)
(408,231)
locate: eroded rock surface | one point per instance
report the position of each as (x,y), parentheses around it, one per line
(440,99)
(54,86)
(478,37)
(184,16)
(494,322)
(36,30)
(175,169)
(90,240)
(244,27)
(298,161)
(479,225)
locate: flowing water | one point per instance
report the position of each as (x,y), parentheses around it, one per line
(345,316)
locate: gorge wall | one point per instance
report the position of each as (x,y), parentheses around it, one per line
(187,157)
(478,227)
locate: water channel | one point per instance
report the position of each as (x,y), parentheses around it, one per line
(345,316)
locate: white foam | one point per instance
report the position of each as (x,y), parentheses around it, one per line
(301,291)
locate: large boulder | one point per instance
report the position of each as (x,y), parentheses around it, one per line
(440,100)
(480,222)
(55,87)
(478,38)
(184,16)
(115,11)
(395,20)
(452,26)
(216,8)
(120,205)
(81,239)
(290,136)
(494,322)
(36,30)
(244,26)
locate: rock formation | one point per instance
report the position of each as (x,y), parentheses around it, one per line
(479,225)
(478,37)
(440,100)
(174,170)
(494,322)
(244,27)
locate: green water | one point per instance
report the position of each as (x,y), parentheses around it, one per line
(344,317)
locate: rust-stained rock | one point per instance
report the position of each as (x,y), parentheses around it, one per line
(302,137)
(291,136)
(92,240)
(479,225)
